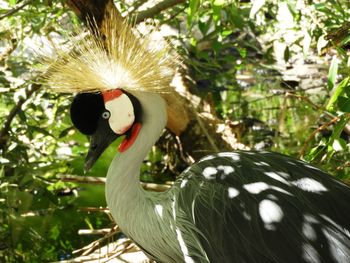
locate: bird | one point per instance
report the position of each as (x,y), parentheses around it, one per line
(240,206)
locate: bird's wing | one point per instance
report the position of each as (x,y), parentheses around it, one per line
(266,207)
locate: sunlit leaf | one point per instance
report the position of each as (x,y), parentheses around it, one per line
(12,2)
(192,10)
(219,2)
(339,145)
(338,129)
(345,41)
(257,5)
(226,33)
(332,73)
(306,43)
(321,43)
(340,89)
(217,7)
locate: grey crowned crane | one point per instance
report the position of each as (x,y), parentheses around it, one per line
(229,207)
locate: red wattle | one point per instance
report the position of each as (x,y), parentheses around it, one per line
(127,142)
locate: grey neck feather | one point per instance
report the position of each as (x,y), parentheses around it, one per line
(148,218)
(126,199)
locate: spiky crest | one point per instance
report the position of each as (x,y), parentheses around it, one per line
(115,58)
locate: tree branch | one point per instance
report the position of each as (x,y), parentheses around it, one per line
(151,12)
(15,10)
(136,5)
(312,135)
(14,111)
(81,179)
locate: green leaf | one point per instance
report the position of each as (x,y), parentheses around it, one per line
(236,16)
(217,11)
(286,54)
(338,128)
(22,116)
(226,33)
(343,85)
(32,128)
(242,52)
(65,132)
(319,7)
(345,41)
(193,41)
(192,10)
(217,46)
(219,2)
(12,2)
(315,152)
(344,104)
(54,232)
(88,222)
(332,73)
(204,25)
(330,13)
(337,6)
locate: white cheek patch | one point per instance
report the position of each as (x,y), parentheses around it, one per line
(122,114)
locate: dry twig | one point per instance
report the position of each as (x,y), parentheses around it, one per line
(15,10)
(312,135)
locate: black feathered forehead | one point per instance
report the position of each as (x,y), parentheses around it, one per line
(86,110)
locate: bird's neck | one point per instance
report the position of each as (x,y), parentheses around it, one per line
(125,197)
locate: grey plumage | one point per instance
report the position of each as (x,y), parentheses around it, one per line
(230,207)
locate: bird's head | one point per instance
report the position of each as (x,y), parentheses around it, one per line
(105,116)
(95,68)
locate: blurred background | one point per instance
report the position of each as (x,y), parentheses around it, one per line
(276,72)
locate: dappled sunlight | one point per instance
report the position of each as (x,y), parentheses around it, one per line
(183,183)
(234,156)
(270,213)
(209,172)
(309,232)
(308,184)
(278,176)
(232,192)
(159,210)
(257,188)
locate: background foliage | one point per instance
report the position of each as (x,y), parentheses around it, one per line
(281,68)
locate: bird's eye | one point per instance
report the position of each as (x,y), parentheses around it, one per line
(106,114)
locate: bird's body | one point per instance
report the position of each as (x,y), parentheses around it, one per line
(229,207)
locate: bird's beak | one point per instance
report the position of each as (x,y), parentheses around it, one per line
(99,141)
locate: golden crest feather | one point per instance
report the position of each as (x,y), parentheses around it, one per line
(116,59)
